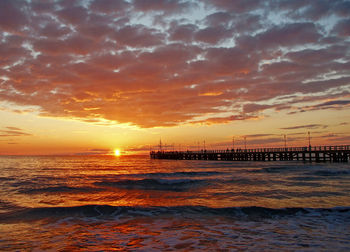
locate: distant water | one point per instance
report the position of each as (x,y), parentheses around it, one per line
(134,203)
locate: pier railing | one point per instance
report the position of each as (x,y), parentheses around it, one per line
(339,153)
(288,149)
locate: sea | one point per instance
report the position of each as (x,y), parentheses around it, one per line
(134,203)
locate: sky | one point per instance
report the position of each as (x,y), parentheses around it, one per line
(90,76)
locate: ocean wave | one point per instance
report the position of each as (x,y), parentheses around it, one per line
(279,169)
(6,205)
(107,211)
(280,194)
(245,181)
(327,173)
(192,173)
(169,174)
(59,189)
(275,169)
(153,184)
(7,179)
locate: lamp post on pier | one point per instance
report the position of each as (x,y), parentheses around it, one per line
(309,137)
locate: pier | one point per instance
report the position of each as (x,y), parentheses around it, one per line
(306,154)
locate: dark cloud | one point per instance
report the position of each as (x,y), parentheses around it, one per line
(166,6)
(264,141)
(12,15)
(184,32)
(165,63)
(316,57)
(138,36)
(343,28)
(252,108)
(212,35)
(219,18)
(287,35)
(342,139)
(222,120)
(236,6)
(342,8)
(259,135)
(312,10)
(109,6)
(235,24)
(308,126)
(334,103)
(74,15)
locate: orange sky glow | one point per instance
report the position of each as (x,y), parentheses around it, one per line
(91,76)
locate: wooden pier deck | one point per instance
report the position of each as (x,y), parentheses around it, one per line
(311,154)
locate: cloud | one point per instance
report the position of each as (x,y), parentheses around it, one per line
(166,63)
(13,128)
(334,103)
(317,57)
(12,16)
(92,152)
(287,35)
(144,148)
(182,32)
(307,126)
(259,135)
(138,36)
(13,132)
(312,10)
(74,15)
(342,139)
(343,28)
(252,108)
(236,6)
(212,35)
(109,6)
(223,120)
(165,6)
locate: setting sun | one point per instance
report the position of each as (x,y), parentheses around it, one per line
(117,153)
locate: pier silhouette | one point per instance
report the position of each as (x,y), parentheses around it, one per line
(339,153)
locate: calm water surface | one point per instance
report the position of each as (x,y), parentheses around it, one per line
(134,203)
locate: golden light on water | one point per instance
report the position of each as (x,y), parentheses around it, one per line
(117,153)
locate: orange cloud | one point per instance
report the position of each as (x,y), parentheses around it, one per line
(104,60)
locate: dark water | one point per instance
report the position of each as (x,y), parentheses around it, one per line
(134,203)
